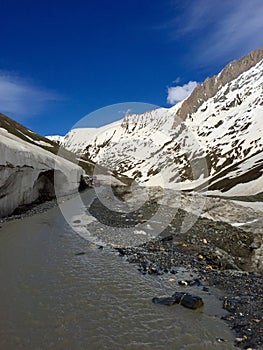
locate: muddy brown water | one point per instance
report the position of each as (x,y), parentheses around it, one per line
(51,298)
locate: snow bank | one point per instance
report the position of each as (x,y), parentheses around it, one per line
(28,172)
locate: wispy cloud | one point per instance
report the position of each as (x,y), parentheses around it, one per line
(125,112)
(21,99)
(218,29)
(179,93)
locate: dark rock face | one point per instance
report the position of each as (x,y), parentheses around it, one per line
(211,85)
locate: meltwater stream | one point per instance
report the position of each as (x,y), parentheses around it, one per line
(51,298)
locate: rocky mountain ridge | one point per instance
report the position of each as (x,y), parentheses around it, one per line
(211,86)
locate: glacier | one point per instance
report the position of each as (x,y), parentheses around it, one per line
(28,172)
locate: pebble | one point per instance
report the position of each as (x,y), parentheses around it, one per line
(183,283)
(200,257)
(220,340)
(239,340)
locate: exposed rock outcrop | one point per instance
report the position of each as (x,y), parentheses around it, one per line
(211,85)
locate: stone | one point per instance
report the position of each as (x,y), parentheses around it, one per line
(220,340)
(120,251)
(188,300)
(230,304)
(183,283)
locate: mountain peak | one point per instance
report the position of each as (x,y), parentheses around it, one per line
(211,86)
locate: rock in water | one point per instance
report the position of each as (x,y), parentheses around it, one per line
(188,300)
(121,251)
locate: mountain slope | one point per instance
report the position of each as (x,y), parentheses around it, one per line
(78,139)
(212,141)
(33,138)
(211,86)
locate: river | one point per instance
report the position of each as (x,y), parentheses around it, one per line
(51,298)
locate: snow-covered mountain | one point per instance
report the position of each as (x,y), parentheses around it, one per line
(211,141)
(56,138)
(78,139)
(29,167)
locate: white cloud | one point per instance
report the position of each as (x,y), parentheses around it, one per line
(177,80)
(179,93)
(20,99)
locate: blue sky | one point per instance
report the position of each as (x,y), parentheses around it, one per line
(61,60)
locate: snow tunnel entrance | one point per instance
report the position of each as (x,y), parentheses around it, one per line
(45,185)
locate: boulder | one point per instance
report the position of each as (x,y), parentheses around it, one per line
(187,300)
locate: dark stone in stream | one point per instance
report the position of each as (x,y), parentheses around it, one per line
(121,251)
(187,300)
(80,253)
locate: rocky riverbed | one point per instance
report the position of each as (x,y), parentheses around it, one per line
(242,291)
(215,253)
